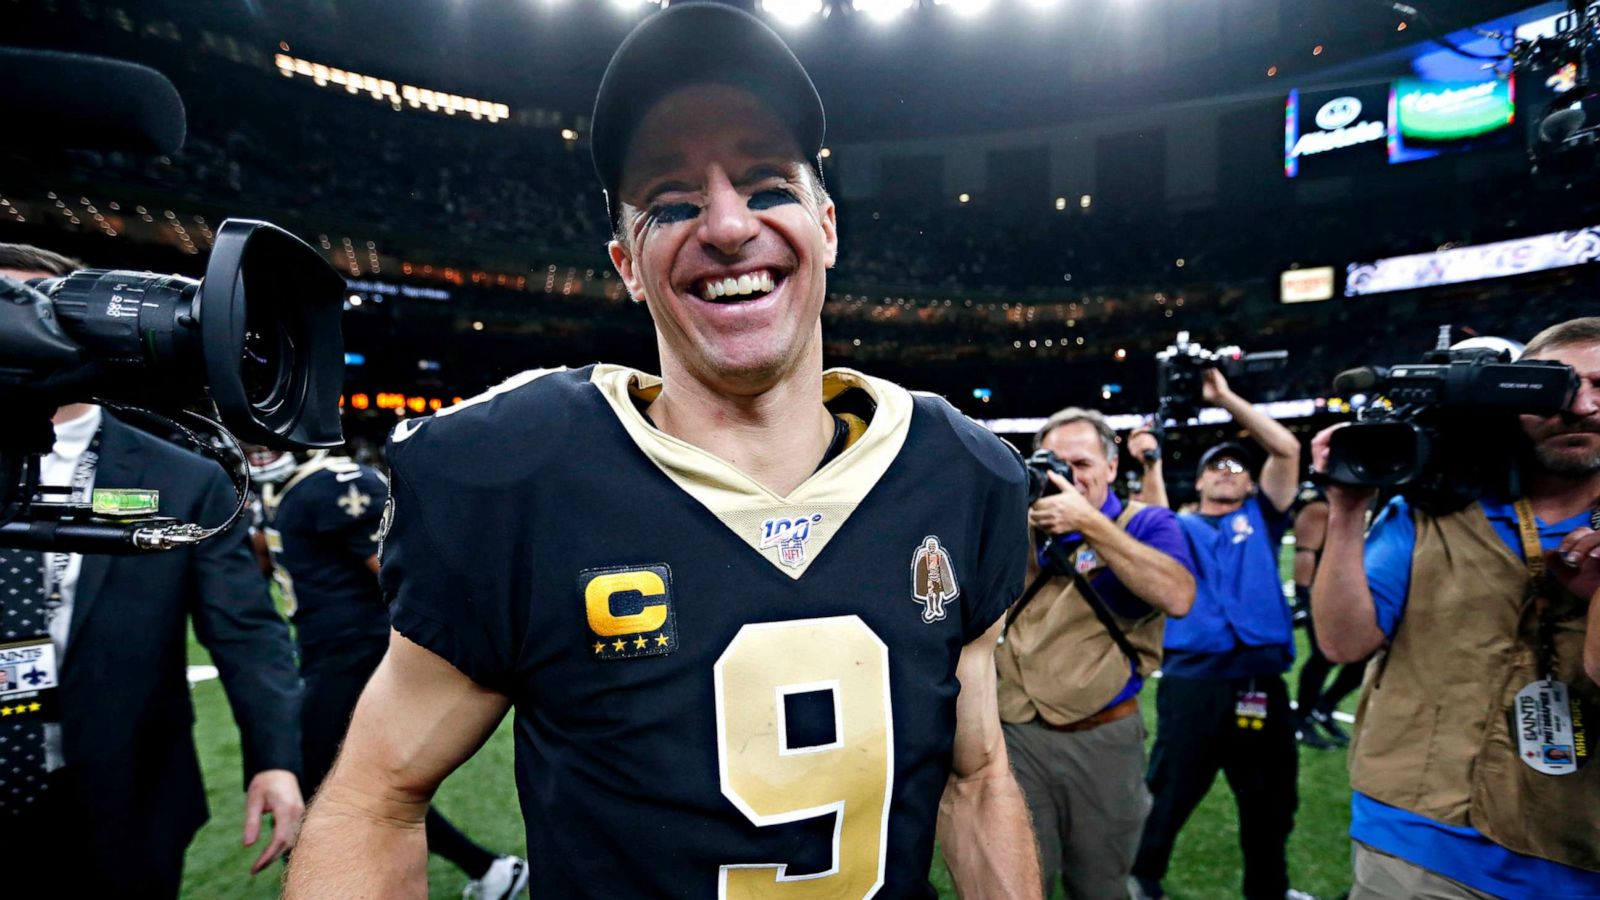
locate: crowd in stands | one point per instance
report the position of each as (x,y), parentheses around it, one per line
(956,297)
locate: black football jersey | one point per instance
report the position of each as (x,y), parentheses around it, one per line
(718,691)
(322,526)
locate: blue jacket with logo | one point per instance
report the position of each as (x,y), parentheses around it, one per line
(1238,597)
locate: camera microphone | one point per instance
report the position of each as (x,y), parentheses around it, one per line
(73,101)
(1354,381)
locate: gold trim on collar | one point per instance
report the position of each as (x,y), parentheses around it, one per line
(789,532)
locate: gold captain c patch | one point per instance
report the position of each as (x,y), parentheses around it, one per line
(629,611)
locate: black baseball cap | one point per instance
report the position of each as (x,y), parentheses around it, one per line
(1232,449)
(698,43)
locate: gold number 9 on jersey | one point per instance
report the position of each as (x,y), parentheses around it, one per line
(772,783)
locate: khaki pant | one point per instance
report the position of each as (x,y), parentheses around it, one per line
(1380,876)
(1086,795)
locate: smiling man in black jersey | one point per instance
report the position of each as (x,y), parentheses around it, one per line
(709,594)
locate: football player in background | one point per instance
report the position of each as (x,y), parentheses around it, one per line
(700,591)
(321,518)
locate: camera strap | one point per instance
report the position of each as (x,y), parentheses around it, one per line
(1097,605)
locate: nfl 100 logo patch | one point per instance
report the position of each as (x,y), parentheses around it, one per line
(789,536)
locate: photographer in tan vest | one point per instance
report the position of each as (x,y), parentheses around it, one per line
(1076,652)
(1473,759)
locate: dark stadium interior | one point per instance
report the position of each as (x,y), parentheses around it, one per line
(1042,295)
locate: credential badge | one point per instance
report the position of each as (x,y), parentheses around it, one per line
(789,536)
(933,579)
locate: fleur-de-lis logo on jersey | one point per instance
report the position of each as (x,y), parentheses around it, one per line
(354,503)
(933,579)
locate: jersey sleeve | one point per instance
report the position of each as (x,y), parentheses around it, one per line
(1388,563)
(432,604)
(350,513)
(1004,547)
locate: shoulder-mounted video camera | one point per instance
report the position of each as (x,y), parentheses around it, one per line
(257,340)
(1179,370)
(1443,431)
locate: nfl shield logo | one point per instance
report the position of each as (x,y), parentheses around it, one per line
(789,536)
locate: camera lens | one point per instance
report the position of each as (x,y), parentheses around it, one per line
(266,366)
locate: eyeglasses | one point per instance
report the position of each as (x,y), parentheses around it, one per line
(1228,464)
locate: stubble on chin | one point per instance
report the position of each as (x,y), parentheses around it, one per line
(1567,462)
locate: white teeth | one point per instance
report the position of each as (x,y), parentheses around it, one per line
(749,283)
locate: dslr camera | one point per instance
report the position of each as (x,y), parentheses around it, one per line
(1180,367)
(1443,431)
(1039,467)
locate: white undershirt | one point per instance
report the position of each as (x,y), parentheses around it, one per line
(72,438)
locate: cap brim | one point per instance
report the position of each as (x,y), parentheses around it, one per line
(698,43)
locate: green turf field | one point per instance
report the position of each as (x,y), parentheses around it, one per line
(481,799)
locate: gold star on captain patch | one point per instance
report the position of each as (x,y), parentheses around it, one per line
(661,640)
(619,644)
(640,643)
(5,710)
(599,646)
(33,707)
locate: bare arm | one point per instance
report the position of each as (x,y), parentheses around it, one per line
(418,719)
(1310,533)
(1281,475)
(1341,602)
(984,828)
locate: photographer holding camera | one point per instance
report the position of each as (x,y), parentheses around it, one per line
(1076,655)
(1222,703)
(1468,760)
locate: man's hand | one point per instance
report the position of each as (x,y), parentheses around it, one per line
(1341,496)
(1063,512)
(274,791)
(1575,563)
(1214,386)
(1142,440)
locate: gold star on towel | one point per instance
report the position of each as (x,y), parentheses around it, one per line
(619,644)
(640,642)
(661,640)
(599,645)
(33,707)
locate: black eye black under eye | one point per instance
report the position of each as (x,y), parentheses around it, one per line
(771,197)
(672,213)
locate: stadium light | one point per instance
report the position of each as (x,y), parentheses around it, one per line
(792,12)
(964,7)
(880,10)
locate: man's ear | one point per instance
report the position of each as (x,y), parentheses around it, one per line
(830,233)
(623,261)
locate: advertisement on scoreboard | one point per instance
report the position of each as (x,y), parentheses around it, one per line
(1476,263)
(1427,118)
(1335,132)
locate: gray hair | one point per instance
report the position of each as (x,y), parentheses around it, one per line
(1108,437)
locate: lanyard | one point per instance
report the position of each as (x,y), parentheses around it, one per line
(1533,558)
(82,477)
